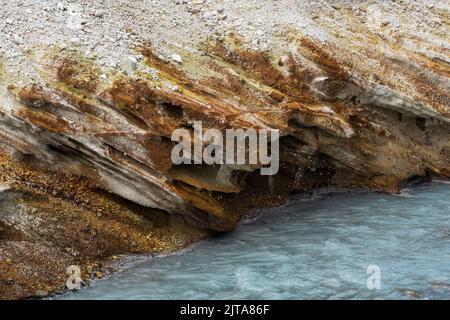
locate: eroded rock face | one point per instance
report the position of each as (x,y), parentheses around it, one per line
(357,105)
(336,128)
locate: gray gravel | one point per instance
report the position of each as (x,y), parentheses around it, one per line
(110,29)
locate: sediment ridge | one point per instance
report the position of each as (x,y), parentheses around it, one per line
(359,93)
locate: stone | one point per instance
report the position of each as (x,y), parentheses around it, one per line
(4,186)
(99,14)
(283,60)
(75,40)
(356,108)
(177,58)
(17,39)
(131,64)
(41,293)
(61,6)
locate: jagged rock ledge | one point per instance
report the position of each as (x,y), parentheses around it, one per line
(85,166)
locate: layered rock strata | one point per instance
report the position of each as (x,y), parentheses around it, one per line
(358,104)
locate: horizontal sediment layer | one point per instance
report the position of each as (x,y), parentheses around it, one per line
(359,94)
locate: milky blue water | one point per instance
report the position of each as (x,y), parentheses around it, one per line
(317,249)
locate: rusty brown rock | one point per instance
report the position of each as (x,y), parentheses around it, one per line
(94,152)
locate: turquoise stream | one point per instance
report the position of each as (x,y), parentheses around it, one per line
(308,250)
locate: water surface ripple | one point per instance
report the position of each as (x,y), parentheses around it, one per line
(309,250)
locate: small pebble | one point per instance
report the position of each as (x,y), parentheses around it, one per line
(132,63)
(177,58)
